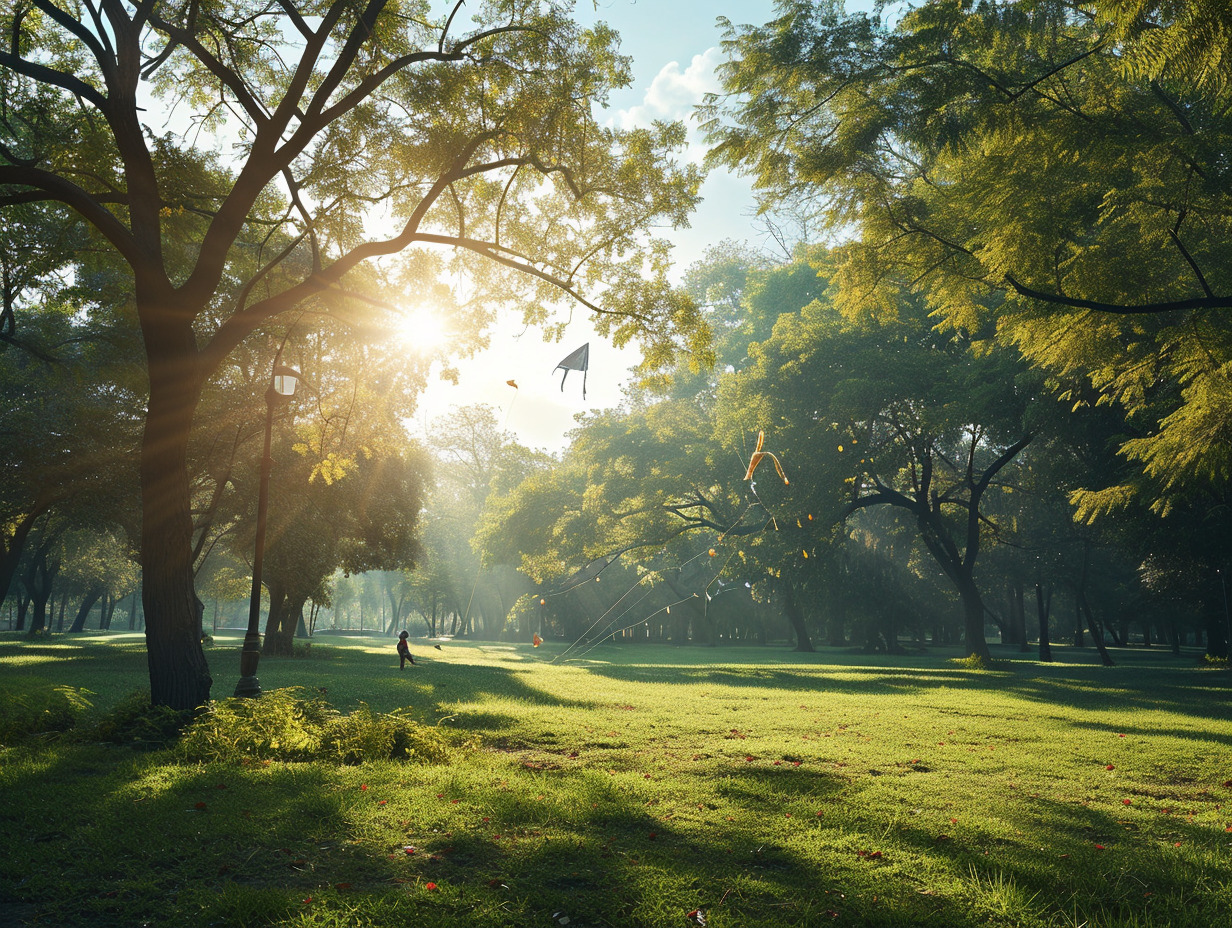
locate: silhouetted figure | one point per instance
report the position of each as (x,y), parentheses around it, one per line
(404,651)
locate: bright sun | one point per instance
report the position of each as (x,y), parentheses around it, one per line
(422,330)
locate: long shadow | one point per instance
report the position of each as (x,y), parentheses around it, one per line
(1183,688)
(261,846)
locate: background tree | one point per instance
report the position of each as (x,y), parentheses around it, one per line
(335,108)
(1057,167)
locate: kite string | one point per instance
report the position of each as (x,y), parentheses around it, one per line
(705,551)
(645,619)
(479,568)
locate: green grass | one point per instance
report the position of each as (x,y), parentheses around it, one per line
(627,789)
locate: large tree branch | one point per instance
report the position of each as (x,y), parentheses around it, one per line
(55,187)
(54,78)
(1122,309)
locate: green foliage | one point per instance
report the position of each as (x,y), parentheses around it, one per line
(285,725)
(972,662)
(133,721)
(364,735)
(36,706)
(979,154)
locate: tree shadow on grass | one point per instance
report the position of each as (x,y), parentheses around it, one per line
(1184,689)
(232,845)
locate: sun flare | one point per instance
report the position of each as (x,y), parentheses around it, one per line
(422,330)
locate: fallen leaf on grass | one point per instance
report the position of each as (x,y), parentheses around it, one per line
(430,887)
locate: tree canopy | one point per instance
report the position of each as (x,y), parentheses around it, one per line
(246,159)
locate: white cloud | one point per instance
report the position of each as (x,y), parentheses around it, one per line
(673,93)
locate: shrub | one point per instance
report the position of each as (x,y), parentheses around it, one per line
(367,735)
(973,662)
(34,706)
(285,725)
(133,721)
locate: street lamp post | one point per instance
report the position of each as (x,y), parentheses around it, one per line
(281,389)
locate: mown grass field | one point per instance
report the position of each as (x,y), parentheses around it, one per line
(629,789)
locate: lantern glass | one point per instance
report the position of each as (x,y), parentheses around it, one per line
(285,381)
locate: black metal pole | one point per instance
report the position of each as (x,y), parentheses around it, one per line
(248,684)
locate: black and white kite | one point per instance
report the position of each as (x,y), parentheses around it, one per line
(576,361)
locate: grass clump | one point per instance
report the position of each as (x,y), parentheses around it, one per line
(32,706)
(975,662)
(286,725)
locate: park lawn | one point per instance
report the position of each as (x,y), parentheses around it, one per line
(641,783)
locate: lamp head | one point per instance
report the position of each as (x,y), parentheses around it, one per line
(285,380)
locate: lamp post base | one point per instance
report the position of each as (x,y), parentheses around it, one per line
(248,685)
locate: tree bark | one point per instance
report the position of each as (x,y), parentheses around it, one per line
(12,552)
(973,618)
(279,623)
(40,576)
(1097,631)
(1020,616)
(795,615)
(23,606)
(179,674)
(79,622)
(1043,606)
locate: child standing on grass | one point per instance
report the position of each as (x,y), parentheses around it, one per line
(404,651)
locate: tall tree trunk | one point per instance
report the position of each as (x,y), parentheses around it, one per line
(973,619)
(277,633)
(108,610)
(10,555)
(91,597)
(1097,630)
(179,674)
(795,615)
(1043,606)
(1020,616)
(61,607)
(40,577)
(22,608)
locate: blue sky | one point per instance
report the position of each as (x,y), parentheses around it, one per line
(674,45)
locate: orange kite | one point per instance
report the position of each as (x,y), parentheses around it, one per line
(758,454)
